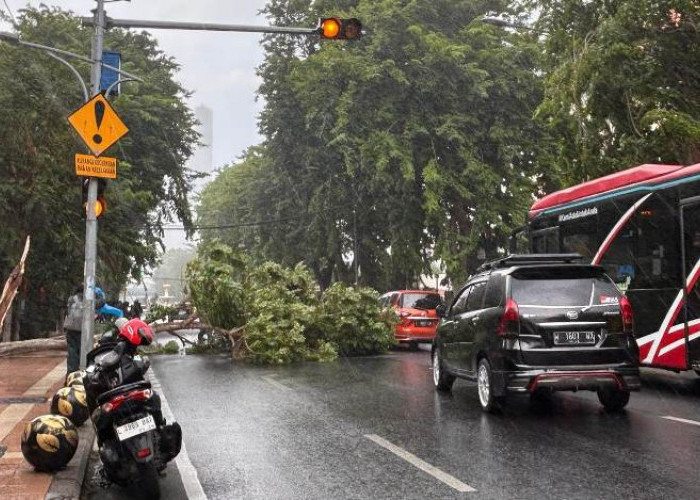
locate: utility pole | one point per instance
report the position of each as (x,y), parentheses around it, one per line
(88,329)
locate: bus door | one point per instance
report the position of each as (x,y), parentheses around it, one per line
(690,248)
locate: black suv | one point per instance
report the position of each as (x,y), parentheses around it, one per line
(533,324)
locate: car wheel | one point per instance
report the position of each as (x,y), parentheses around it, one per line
(613,400)
(484,381)
(443,381)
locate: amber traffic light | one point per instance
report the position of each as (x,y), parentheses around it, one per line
(101,202)
(334,28)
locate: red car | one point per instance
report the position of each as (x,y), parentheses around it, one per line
(416,309)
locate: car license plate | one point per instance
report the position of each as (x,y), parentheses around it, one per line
(135,428)
(423,322)
(574,338)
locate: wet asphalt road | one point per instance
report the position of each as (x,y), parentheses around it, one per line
(171,485)
(300,432)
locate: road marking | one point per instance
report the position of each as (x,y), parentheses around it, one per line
(279,385)
(47,381)
(422,465)
(682,420)
(11,416)
(188,474)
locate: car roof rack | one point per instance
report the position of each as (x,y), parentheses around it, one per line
(525,259)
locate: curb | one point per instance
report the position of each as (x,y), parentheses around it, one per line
(67,484)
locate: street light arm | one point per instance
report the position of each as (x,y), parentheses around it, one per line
(77,74)
(174,25)
(16,40)
(114,84)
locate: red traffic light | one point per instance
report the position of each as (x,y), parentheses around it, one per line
(334,28)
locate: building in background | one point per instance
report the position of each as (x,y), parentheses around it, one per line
(201,161)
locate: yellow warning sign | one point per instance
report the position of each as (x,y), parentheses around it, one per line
(98,125)
(91,166)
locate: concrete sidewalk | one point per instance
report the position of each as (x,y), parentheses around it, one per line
(27,384)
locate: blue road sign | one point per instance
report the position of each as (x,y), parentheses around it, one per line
(109,76)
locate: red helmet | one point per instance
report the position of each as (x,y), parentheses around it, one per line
(137,332)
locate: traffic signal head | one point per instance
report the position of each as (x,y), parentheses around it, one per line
(101,202)
(334,28)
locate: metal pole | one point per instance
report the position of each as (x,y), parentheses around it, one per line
(86,94)
(174,25)
(88,330)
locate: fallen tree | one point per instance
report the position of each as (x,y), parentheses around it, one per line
(8,349)
(271,314)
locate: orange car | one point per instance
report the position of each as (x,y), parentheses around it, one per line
(416,309)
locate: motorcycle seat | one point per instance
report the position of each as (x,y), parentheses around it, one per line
(106,396)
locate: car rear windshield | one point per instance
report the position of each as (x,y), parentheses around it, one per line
(420,300)
(563,290)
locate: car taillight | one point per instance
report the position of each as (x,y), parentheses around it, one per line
(510,319)
(138,395)
(143,453)
(404,321)
(627,315)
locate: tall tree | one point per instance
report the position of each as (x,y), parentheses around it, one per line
(413,144)
(40,192)
(623,84)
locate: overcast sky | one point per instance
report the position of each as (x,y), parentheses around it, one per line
(218,67)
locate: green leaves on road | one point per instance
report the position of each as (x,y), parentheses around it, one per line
(286,317)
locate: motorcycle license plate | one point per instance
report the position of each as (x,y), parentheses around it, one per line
(135,428)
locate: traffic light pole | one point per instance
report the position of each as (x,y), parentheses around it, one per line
(174,25)
(88,329)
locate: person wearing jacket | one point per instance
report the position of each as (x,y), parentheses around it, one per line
(73,323)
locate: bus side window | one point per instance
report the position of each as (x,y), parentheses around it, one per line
(658,262)
(620,260)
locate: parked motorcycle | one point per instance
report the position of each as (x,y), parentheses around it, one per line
(134,441)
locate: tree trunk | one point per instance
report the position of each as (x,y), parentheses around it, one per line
(27,346)
(7,327)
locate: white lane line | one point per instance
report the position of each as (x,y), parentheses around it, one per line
(47,381)
(682,420)
(188,474)
(422,465)
(279,385)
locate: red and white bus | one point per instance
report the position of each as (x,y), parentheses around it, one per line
(643,226)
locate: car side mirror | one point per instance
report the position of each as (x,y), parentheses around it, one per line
(441,310)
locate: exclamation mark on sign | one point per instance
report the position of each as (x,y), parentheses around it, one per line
(99,115)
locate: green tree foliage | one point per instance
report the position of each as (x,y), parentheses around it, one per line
(286,317)
(352,321)
(40,193)
(623,85)
(216,283)
(412,144)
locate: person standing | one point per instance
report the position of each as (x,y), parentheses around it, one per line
(137,309)
(72,325)
(73,322)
